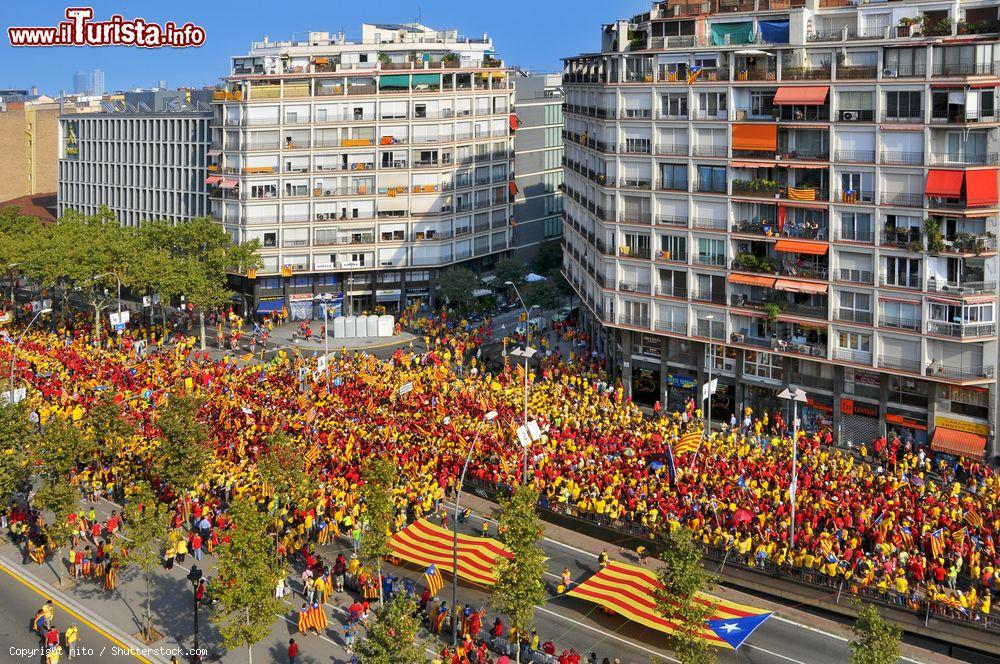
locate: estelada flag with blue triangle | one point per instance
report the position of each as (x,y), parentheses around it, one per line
(735,631)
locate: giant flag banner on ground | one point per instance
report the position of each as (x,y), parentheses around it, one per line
(424,543)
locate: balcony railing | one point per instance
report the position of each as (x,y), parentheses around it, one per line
(633,252)
(857,196)
(634,287)
(753,154)
(970,244)
(710,223)
(856,71)
(961,373)
(851,355)
(856,276)
(748,114)
(904,158)
(904,199)
(864,235)
(856,115)
(970,287)
(644,218)
(899,364)
(894,116)
(633,320)
(856,156)
(802,114)
(902,238)
(790,230)
(965,159)
(853,316)
(901,281)
(667,290)
(911,324)
(672,149)
(962,116)
(670,220)
(672,256)
(805,73)
(756,74)
(713,151)
(963,331)
(963,69)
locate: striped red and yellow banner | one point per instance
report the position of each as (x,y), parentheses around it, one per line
(688,442)
(628,591)
(424,543)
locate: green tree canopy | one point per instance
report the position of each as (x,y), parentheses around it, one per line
(875,640)
(392,636)
(456,285)
(17,436)
(682,577)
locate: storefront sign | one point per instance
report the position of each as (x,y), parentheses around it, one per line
(300,297)
(907,422)
(325,265)
(680,381)
(818,406)
(852,407)
(962,425)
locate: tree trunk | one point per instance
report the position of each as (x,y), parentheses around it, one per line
(148,618)
(201,324)
(381,600)
(97,325)
(249,645)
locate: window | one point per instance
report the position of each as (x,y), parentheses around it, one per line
(855,341)
(762,365)
(902,272)
(712,104)
(552,227)
(858,187)
(761,103)
(971,401)
(270,239)
(271,283)
(856,100)
(855,307)
(856,226)
(712,178)
(711,251)
(902,315)
(904,104)
(673,176)
(673,247)
(675,106)
(906,61)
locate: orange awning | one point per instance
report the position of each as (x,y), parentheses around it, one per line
(790,286)
(947,184)
(807,94)
(811,248)
(229,183)
(322,61)
(981,187)
(960,443)
(512,188)
(748,280)
(751,164)
(213,179)
(515,121)
(763,137)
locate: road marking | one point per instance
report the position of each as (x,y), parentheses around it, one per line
(838,637)
(49,596)
(610,635)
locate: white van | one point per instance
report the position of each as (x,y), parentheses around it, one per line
(534,324)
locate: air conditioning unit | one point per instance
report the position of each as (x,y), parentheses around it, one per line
(849,115)
(889,72)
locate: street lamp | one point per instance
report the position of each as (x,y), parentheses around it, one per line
(795,395)
(488,417)
(527,354)
(711,361)
(13,350)
(194,576)
(97,323)
(326,341)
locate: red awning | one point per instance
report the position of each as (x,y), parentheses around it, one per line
(515,122)
(960,443)
(228,183)
(790,286)
(947,184)
(749,280)
(811,248)
(981,187)
(807,94)
(213,179)
(751,164)
(214,153)
(512,187)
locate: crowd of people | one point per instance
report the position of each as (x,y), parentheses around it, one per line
(888,521)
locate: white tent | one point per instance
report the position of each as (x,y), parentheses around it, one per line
(532,278)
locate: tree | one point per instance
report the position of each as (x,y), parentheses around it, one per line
(519,588)
(61,448)
(510,269)
(17,436)
(59,499)
(392,636)
(184,450)
(281,466)
(380,477)
(549,259)
(876,641)
(544,294)
(107,426)
(682,578)
(247,570)
(456,285)
(147,521)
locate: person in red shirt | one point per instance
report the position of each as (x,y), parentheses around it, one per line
(293,651)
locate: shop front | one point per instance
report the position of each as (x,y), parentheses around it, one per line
(859,422)
(645,383)
(335,302)
(270,304)
(300,306)
(388,299)
(681,386)
(960,437)
(910,427)
(816,413)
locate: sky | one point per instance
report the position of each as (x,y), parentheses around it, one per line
(533,34)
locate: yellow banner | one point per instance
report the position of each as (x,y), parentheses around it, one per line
(962,425)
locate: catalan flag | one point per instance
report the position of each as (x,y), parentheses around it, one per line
(247,357)
(693,73)
(973,519)
(434,581)
(689,442)
(251,274)
(629,591)
(795,194)
(303,402)
(424,543)
(312,454)
(937,543)
(286,270)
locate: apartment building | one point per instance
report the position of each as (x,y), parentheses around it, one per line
(142,164)
(538,146)
(28,145)
(364,167)
(794,192)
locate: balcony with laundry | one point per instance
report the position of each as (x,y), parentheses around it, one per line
(793,258)
(961,189)
(774,220)
(799,183)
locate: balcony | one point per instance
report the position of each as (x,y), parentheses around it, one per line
(964,159)
(903,158)
(899,364)
(643,218)
(701,114)
(671,185)
(791,229)
(856,115)
(805,155)
(805,74)
(855,356)
(756,74)
(761,188)
(627,251)
(939,203)
(634,287)
(748,114)
(714,151)
(802,114)
(856,156)
(961,116)
(852,316)
(961,373)
(672,149)
(963,69)
(672,256)
(626,183)
(911,324)
(753,154)
(912,281)
(851,276)
(902,238)
(709,223)
(965,243)
(968,287)
(845,72)
(668,290)
(903,199)
(893,116)
(709,186)
(633,320)
(670,220)
(857,196)
(960,330)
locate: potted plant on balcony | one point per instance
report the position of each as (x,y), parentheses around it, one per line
(935,242)
(773,310)
(450,59)
(906,24)
(384,59)
(746,262)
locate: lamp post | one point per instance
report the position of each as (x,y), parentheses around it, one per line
(711,361)
(527,353)
(97,323)
(795,395)
(13,350)
(194,576)
(326,341)
(488,417)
